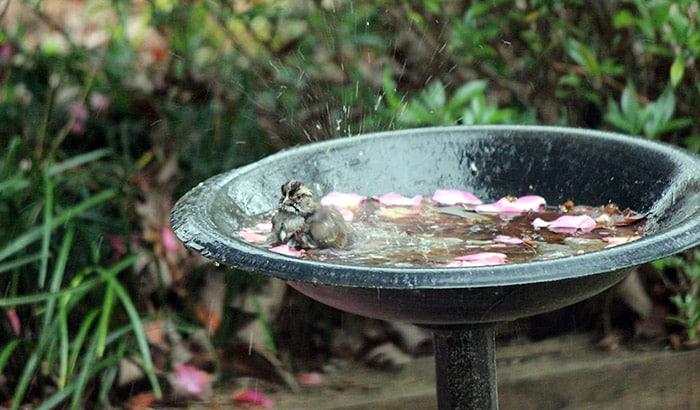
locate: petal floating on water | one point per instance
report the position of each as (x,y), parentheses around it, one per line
(507,205)
(454,197)
(342,199)
(478,259)
(619,240)
(508,240)
(252,236)
(286,250)
(394,199)
(567,224)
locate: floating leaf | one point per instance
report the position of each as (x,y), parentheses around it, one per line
(250,398)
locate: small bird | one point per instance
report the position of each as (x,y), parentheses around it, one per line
(300,222)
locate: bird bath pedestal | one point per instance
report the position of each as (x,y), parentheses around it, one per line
(461,306)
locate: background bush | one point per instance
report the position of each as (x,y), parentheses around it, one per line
(111,110)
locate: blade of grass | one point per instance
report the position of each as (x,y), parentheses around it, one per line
(4,267)
(7,352)
(137,326)
(103,325)
(32,235)
(32,364)
(75,287)
(78,160)
(79,339)
(46,229)
(58,272)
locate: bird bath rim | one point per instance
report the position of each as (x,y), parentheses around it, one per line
(229,250)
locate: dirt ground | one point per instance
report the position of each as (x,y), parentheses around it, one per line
(567,372)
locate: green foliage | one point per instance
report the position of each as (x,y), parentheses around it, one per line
(52,269)
(178,91)
(652,120)
(687,300)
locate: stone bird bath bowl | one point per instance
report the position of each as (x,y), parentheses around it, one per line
(460,305)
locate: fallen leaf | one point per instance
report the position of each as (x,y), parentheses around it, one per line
(192,380)
(250,398)
(311,379)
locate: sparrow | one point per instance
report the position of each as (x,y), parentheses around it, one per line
(301,222)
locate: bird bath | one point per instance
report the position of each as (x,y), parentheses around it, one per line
(461,306)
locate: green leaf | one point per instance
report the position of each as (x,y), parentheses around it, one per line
(677,70)
(623,19)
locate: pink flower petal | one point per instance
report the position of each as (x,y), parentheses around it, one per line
(508,240)
(264,227)
(454,197)
(192,380)
(169,240)
(311,379)
(286,250)
(619,240)
(346,213)
(252,398)
(342,200)
(567,224)
(478,259)
(394,199)
(252,236)
(15,323)
(517,206)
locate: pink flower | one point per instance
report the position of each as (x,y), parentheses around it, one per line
(567,224)
(15,323)
(454,197)
(511,206)
(99,102)
(394,199)
(478,259)
(342,200)
(286,250)
(169,240)
(252,398)
(192,380)
(508,240)
(78,114)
